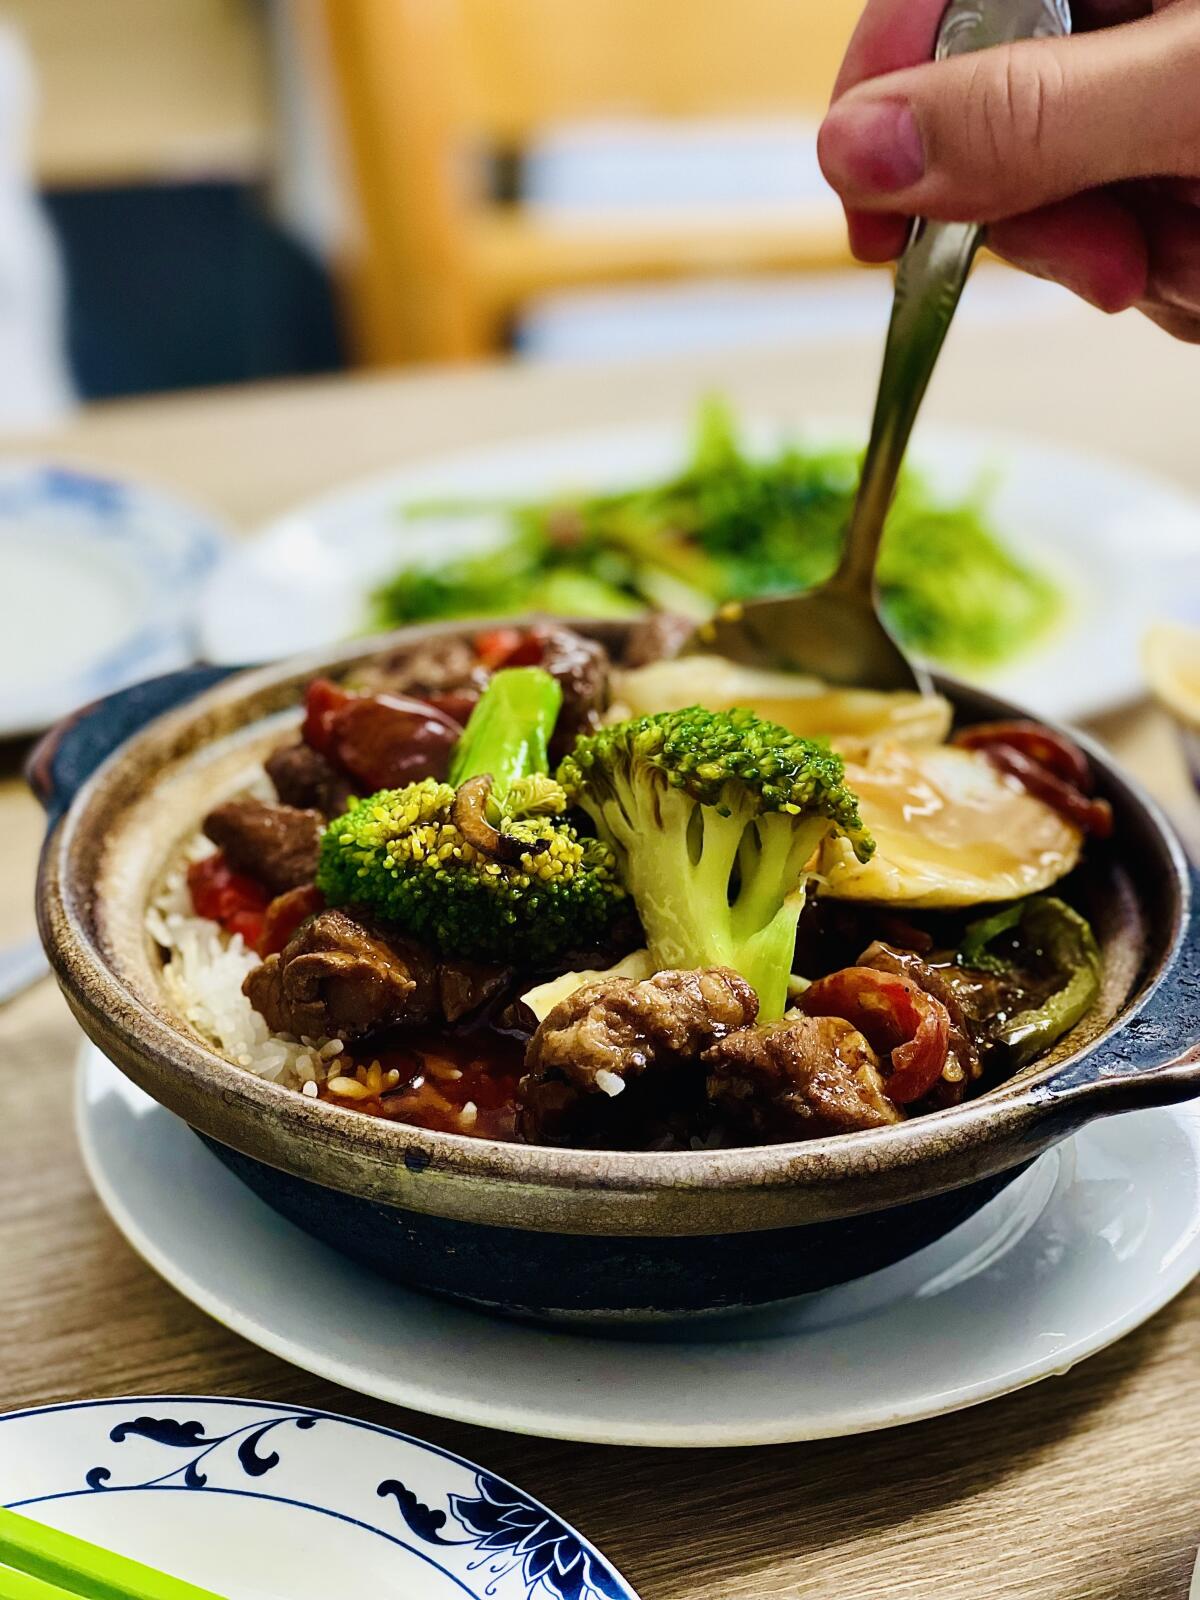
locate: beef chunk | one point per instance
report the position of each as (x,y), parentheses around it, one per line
(581,667)
(303,777)
(657,637)
(442,667)
(277,845)
(610,1034)
(465,987)
(342,977)
(963,1066)
(799,1078)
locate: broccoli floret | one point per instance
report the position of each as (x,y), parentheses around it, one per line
(526,890)
(712,817)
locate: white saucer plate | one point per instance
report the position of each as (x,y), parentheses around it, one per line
(102,577)
(254,1500)
(1088,1244)
(1121,544)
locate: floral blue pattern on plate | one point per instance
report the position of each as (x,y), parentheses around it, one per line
(105,574)
(254,1498)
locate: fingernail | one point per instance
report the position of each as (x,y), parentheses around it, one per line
(871,147)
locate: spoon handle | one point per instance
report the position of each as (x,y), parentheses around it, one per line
(929,284)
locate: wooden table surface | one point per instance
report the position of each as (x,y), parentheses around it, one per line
(1084,1486)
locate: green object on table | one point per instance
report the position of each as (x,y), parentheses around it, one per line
(734,526)
(16,1585)
(40,1563)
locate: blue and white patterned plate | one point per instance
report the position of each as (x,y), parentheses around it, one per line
(101,577)
(255,1500)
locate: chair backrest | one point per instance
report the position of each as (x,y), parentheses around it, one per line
(422,82)
(530,62)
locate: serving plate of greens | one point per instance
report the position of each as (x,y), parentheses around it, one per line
(1029,569)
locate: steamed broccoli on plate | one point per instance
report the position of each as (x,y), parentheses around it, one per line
(731,526)
(713,818)
(484,867)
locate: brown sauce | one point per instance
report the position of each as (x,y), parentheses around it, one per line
(450,1083)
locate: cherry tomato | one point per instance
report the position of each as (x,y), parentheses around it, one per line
(495,645)
(896,1018)
(285,914)
(236,901)
(511,647)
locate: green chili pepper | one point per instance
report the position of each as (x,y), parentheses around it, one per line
(1053,933)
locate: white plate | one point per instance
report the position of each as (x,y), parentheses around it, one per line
(101,577)
(1084,1247)
(256,1500)
(1120,543)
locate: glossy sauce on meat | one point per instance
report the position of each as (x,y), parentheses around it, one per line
(451,1083)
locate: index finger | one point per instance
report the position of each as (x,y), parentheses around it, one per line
(894,34)
(891,35)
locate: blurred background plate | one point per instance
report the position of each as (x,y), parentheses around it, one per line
(255,1499)
(106,573)
(1118,542)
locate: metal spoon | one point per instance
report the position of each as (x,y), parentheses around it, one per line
(834,632)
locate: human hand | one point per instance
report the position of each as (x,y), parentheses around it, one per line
(1083,154)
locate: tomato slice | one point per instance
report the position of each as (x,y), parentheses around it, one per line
(249,924)
(236,901)
(897,1019)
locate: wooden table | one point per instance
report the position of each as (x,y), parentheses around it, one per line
(1086,1486)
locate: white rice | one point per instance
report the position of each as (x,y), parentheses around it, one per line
(203,976)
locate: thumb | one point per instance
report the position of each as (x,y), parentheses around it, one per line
(1005,130)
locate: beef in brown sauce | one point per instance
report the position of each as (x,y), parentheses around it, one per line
(586,1062)
(438,667)
(799,1078)
(341,977)
(276,845)
(305,778)
(449,673)
(581,667)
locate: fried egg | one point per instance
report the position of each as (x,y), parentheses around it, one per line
(950,830)
(802,705)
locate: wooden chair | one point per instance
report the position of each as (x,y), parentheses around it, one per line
(425,86)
